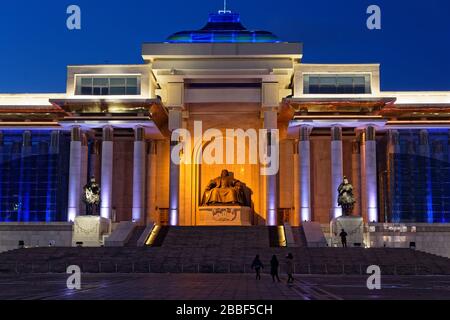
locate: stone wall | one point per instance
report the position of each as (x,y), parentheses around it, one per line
(34,234)
(430,238)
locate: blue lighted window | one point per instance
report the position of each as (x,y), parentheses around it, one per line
(33,176)
(420,175)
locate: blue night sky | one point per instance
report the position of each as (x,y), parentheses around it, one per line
(413,46)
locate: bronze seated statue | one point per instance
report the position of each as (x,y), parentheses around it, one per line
(225,190)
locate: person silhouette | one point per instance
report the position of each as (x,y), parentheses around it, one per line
(274,264)
(343,236)
(290,267)
(257,265)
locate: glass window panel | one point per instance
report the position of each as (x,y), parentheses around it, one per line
(96,91)
(314,89)
(340,84)
(328,80)
(132,90)
(314,80)
(117,90)
(345,81)
(359,80)
(101,82)
(86,81)
(328,89)
(132,82)
(108,86)
(86,90)
(360,89)
(344,89)
(117,82)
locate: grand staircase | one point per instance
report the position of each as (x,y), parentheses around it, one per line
(219,250)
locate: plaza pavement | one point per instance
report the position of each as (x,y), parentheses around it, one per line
(167,286)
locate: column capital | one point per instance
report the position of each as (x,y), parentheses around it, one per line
(370,133)
(336,133)
(304,132)
(75,133)
(108,133)
(139,133)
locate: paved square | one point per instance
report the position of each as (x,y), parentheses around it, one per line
(219,287)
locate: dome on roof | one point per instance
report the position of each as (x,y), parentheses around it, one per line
(222,27)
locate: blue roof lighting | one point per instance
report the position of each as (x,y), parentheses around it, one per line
(223,27)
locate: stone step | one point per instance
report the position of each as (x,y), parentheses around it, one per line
(132,242)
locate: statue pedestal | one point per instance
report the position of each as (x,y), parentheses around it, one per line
(224,216)
(90,230)
(353,226)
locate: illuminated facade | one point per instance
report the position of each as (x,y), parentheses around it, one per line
(114,122)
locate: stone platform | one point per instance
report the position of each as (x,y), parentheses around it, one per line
(90,230)
(353,226)
(224,216)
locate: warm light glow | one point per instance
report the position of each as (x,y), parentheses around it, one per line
(152,237)
(281,236)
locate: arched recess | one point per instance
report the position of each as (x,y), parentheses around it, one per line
(201,173)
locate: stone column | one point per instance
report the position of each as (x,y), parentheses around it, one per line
(95,160)
(296,219)
(270,123)
(304,147)
(356,176)
(84,169)
(337,171)
(139,175)
(106,173)
(74,174)
(369,172)
(175,118)
(151,182)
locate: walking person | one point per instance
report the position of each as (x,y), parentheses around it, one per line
(274,264)
(257,265)
(290,267)
(343,236)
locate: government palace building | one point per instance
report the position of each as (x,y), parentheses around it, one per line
(121,126)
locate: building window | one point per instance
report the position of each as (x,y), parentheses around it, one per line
(34,176)
(336,84)
(108,86)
